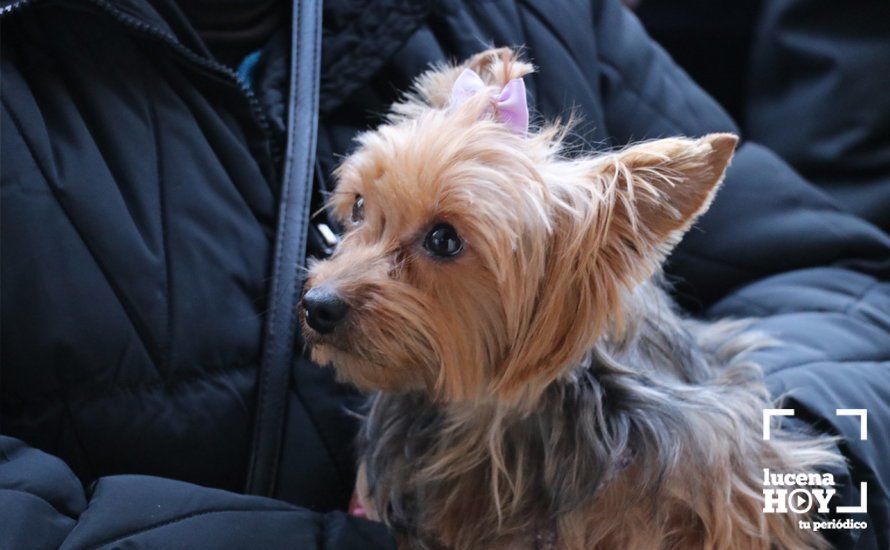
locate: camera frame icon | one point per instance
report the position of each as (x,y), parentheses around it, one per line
(768,414)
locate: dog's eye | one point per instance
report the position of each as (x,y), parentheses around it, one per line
(443,241)
(358,209)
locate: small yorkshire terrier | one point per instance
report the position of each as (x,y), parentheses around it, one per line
(534,385)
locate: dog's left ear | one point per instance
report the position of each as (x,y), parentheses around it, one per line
(653,192)
(618,216)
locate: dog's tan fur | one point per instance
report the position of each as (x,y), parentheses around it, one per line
(542,381)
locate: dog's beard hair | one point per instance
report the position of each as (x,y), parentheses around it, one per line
(397,338)
(441,339)
(391,345)
(677,452)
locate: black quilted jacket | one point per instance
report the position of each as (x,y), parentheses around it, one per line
(148,221)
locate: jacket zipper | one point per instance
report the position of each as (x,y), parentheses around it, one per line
(212,66)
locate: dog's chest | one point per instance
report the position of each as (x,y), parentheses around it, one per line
(456,485)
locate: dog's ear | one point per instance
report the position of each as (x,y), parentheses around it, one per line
(650,194)
(617,217)
(495,66)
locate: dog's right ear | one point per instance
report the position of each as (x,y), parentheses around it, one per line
(432,89)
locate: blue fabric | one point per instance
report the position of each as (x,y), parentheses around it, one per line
(245,69)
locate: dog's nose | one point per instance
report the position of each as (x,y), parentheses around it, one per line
(324,309)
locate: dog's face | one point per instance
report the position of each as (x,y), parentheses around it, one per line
(477,263)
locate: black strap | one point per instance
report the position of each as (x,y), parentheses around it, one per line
(290,248)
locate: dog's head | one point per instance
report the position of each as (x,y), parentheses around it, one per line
(477,261)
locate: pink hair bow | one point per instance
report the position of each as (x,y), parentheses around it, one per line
(510,105)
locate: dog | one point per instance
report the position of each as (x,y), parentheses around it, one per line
(533,384)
